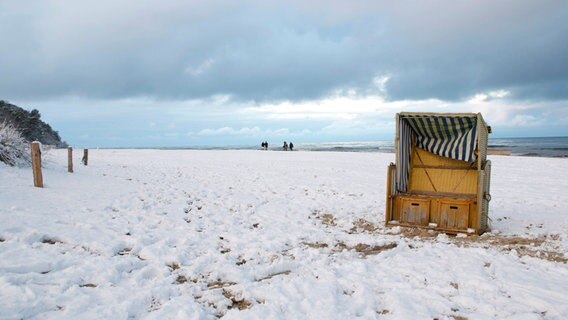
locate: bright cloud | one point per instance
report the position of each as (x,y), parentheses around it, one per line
(492,95)
(229,131)
(330,108)
(253,132)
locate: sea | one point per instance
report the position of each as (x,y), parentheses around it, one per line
(533,147)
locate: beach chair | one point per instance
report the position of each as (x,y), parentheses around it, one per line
(441,175)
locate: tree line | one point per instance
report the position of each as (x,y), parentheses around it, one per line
(29,124)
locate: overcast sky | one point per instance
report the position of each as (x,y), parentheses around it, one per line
(178,73)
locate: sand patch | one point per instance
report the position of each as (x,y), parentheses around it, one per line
(499,151)
(367,250)
(173,266)
(541,247)
(181,279)
(326,218)
(362,225)
(315,245)
(237,301)
(219,284)
(364,249)
(418,232)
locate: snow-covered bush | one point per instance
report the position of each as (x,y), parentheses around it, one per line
(14,150)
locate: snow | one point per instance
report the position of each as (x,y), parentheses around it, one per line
(14,150)
(194,234)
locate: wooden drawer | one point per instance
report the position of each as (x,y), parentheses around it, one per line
(415,211)
(454,214)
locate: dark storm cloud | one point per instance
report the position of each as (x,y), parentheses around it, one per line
(262,50)
(468,48)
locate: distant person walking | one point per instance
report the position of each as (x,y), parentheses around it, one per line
(285,146)
(265,145)
(262,145)
(291,146)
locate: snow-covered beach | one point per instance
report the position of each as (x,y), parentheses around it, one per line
(244,234)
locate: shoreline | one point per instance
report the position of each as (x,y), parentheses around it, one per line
(499,151)
(549,147)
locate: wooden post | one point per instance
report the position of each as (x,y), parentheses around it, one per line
(70,159)
(388,212)
(85,159)
(36,164)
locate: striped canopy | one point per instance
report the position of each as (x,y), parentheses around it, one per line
(452,137)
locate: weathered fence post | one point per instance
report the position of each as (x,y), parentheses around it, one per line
(70,159)
(85,159)
(36,164)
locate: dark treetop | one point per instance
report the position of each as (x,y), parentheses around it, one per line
(30,125)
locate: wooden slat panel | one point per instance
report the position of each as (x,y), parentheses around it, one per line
(429,174)
(454,214)
(415,211)
(429,158)
(442,167)
(444,181)
(474,216)
(396,209)
(390,180)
